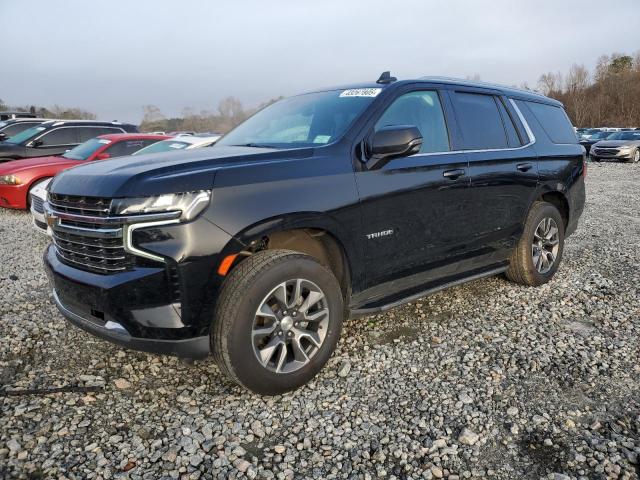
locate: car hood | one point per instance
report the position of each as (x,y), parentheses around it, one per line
(155,174)
(616,143)
(11,149)
(16,166)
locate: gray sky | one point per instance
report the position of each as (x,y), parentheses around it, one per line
(112,57)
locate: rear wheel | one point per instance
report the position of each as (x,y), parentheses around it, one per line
(278,321)
(539,251)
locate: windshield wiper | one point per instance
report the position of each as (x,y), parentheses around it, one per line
(255,145)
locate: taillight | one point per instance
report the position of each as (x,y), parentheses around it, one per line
(584,166)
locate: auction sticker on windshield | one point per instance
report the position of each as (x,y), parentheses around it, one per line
(361,92)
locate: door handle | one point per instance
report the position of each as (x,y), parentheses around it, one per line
(524,167)
(453,174)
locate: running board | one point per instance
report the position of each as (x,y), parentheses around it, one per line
(358,312)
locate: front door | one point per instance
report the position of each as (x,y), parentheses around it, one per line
(54,142)
(414,207)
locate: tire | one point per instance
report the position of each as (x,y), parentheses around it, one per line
(237,333)
(635,157)
(521,264)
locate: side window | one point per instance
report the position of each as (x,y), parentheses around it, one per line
(422,109)
(512,133)
(60,136)
(479,121)
(126,147)
(87,133)
(554,122)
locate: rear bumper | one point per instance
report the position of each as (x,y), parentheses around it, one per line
(13,196)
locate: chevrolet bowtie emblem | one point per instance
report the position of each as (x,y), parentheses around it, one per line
(52,220)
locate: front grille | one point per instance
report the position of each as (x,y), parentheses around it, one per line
(90,206)
(37,203)
(90,244)
(606,151)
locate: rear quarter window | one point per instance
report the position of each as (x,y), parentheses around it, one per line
(554,122)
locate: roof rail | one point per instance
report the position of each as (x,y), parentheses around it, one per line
(479,83)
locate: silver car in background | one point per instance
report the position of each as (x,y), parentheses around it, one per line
(623,145)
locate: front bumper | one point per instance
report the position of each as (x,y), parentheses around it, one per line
(604,155)
(196,347)
(13,196)
(39,222)
(134,309)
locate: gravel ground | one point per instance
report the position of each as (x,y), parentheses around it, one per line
(485,380)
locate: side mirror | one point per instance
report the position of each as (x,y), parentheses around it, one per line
(3,136)
(391,142)
(36,143)
(102,156)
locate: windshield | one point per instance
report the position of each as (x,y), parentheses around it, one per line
(163,146)
(601,135)
(86,149)
(312,119)
(625,136)
(25,135)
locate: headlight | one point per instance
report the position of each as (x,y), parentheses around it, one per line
(10,180)
(625,147)
(190,204)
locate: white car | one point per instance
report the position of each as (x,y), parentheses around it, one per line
(179,143)
(38,195)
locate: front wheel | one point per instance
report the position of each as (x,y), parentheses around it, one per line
(539,251)
(277,322)
(635,157)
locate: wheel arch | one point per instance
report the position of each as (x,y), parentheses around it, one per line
(559,200)
(313,234)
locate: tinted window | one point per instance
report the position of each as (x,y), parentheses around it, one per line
(59,136)
(127,147)
(90,132)
(554,122)
(422,109)
(480,121)
(512,133)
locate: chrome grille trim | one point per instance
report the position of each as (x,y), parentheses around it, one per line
(84,266)
(85,236)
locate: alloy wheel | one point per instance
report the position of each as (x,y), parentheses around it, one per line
(290,326)
(546,243)
(636,156)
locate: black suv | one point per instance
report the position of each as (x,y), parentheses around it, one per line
(54,137)
(335,203)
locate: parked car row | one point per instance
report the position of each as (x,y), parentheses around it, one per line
(35,150)
(621,144)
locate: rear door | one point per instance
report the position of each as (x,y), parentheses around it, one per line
(413,208)
(503,169)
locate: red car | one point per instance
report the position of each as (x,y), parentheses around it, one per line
(18,177)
